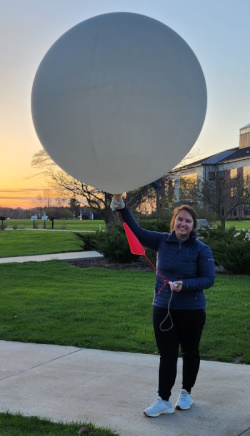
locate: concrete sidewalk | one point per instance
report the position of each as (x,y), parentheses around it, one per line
(76,255)
(111,389)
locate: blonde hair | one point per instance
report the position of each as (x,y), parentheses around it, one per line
(189,209)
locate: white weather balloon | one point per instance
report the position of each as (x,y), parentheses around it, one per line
(118,101)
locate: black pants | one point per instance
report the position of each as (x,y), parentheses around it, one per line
(186,332)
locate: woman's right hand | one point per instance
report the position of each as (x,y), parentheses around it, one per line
(117,202)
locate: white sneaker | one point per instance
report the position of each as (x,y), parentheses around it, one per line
(184,401)
(159,407)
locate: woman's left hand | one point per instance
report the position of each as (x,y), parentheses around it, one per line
(176,286)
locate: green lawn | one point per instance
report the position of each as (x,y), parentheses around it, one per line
(112,310)
(240,225)
(27,243)
(90,225)
(19,425)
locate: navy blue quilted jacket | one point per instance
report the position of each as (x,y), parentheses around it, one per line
(190,261)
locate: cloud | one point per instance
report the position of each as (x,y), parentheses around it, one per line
(18,198)
(19,191)
(26,198)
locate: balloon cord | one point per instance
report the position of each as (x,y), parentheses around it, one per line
(168,316)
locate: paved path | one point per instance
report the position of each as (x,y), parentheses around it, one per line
(45,257)
(111,389)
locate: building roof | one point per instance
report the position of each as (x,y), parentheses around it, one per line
(219,158)
(245,127)
(240,153)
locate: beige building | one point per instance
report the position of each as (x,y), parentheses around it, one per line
(229,169)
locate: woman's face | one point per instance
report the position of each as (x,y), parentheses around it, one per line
(183,224)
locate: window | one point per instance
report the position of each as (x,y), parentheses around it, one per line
(247,209)
(246,173)
(221,174)
(211,175)
(233,192)
(188,187)
(233,173)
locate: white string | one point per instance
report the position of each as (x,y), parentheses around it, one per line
(168,316)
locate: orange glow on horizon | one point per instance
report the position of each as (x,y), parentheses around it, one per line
(23,198)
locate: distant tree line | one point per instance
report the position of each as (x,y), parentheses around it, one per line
(19,213)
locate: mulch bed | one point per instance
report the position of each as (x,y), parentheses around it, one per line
(139,265)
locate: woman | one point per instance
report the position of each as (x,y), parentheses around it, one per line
(185,267)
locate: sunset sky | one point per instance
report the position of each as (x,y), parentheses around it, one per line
(218,31)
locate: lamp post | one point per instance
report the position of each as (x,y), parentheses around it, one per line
(2,218)
(52,222)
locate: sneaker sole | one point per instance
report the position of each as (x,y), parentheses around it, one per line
(183,408)
(163,412)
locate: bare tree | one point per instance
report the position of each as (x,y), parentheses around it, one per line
(223,193)
(86,195)
(49,199)
(69,187)
(189,191)
(226,193)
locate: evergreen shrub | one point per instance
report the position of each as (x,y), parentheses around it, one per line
(231,248)
(113,242)
(89,241)
(157,226)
